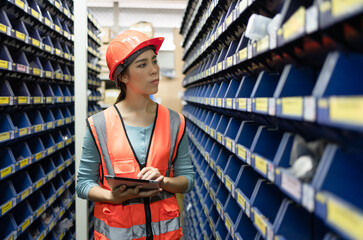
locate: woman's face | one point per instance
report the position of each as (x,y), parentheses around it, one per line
(143,77)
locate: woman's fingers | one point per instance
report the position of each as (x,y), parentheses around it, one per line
(137,189)
(160,178)
(149,175)
(120,188)
(150,193)
(143,171)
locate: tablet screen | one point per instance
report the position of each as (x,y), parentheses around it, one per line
(115,182)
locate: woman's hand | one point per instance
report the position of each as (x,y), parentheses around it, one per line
(122,194)
(150,173)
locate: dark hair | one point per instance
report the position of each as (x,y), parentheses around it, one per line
(121,85)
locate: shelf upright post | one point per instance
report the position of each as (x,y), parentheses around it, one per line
(81,103)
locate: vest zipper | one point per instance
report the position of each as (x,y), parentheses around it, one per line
(149,231)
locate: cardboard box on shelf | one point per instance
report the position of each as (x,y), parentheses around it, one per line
(111,96)
(145,27)
(107,34)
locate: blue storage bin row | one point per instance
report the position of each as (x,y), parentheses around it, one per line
(95,27)
(35,36)
(19,155)
(299,93)
(268,153)
(211,11)
(94,68)
(25,63)
(22,184)
(63,6)
(95,40)
(207,211)
(94,95)
(199,15)
(293,26)
(92,49)
(207,37)
(24,213)
(18,125)
(93,81)
(43,14)
(260,202)
(187,23)
(24,93)
(45,220)
(56,232)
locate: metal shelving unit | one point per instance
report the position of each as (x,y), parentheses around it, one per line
(37,119)
(248,104)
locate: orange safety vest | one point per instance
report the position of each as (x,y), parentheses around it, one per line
(140,218)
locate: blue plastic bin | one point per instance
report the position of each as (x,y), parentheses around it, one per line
(266,201)
(37,149)
(8,197)
(23,185)
(263,91)
(230,173)
(230,133)
(23,216)
(244,229)
(244,139)
(221,163)
(244,186)
(37,176)
(7,128)
(22,155)
(7,163)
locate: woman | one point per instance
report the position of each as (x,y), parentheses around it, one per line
(135,138)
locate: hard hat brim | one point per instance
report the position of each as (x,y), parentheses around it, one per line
(156,42)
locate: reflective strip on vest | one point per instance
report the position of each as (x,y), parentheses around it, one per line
(174,125)
(161,196)
(99,123)
(136,231)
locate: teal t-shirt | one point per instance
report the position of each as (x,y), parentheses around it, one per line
(88,172)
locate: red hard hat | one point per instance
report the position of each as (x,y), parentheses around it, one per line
(125,44)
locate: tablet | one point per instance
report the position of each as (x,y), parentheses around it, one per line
(115,182)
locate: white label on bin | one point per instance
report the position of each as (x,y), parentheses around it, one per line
(248,209)
(242,6)
(273,40)
(308,197)
(312,19)
(249,158)
(21,68)
(249,105)
(249,51)
(271,172)
(270,234)
(291,185)
(271,106)
(309,109)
